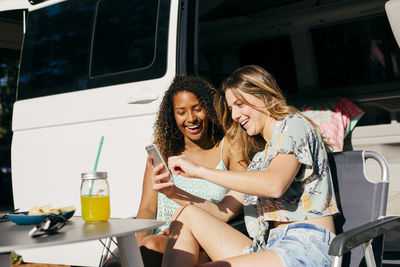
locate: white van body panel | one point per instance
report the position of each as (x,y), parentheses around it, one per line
(104,103)
(7,5)
(65,130)
(384,139)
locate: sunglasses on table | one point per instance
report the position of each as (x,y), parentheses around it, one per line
(50,225)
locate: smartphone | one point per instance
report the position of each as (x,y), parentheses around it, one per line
(155,154)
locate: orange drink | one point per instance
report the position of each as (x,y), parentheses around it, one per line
(95,208)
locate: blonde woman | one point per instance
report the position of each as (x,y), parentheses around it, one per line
(289,200)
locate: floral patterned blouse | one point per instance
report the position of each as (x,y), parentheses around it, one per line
(311,193)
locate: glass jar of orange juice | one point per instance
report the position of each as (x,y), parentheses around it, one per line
(95,196)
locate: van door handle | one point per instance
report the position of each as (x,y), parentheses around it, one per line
(143,97)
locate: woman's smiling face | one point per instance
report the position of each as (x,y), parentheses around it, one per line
(252,120)
(190,116)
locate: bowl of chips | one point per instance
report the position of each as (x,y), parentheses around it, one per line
(38,214)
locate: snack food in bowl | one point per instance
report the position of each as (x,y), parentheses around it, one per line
(47,210)
(38,214)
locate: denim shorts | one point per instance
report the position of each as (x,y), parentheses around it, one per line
(299,244)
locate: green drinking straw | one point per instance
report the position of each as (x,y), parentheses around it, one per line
(95,164)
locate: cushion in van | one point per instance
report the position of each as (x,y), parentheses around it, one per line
(336,119)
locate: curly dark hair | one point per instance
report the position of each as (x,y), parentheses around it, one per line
(167,135)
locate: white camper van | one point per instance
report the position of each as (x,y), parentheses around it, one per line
(100,68)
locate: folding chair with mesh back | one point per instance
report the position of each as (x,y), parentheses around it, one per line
(361,226)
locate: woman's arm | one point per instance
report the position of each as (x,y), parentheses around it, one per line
(226,209)
(229,207)
(148,203)
(266,183)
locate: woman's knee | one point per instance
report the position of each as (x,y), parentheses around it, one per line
(187,212)
(155,242)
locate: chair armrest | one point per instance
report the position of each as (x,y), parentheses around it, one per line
(352,238)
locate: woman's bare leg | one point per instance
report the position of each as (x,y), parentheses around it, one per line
(262,258)
(155,242)
(194,226)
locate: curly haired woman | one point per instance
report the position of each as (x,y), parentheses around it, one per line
(186,124)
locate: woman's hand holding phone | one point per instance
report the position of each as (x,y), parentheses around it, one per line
(155,155)
(161,180)
(161,176)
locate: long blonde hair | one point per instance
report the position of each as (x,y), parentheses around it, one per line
(258,82)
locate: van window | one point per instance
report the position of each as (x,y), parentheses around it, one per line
(124,36)
(356,52)
(315,49)
(89,47)
(276,56)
